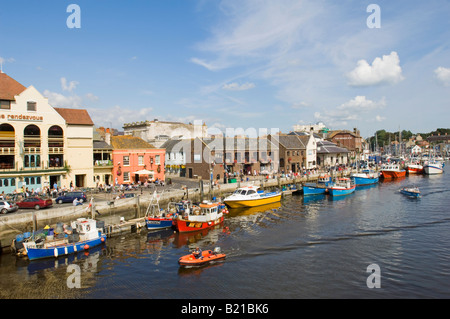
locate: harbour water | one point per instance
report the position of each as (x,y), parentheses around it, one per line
(316,247)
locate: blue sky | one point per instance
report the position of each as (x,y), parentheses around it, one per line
(237,63)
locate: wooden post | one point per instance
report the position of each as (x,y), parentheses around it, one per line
(138,207)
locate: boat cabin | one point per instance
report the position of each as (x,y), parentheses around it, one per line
(86,228)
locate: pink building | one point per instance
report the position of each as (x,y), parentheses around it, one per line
(136,160)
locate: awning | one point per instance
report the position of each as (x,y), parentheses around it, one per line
(144,172)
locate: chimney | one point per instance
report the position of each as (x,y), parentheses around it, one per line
(108,136)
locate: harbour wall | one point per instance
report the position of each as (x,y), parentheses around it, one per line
(114,212)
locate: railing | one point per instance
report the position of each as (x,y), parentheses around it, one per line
(7,151)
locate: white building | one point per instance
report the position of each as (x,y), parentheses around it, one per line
(158,132)
(41,145)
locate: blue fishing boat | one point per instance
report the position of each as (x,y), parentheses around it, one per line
(410,191)
(156,219)
(83,235)
(366,177)
(318,188)
(342,186)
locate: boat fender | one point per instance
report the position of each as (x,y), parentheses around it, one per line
(86,247)
(55,252)
(102,239)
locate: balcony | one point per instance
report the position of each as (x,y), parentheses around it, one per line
(6,150)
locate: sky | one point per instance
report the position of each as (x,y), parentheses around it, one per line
(248,64)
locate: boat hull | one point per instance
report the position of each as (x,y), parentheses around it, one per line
(362,181)
(393,174)
(158,223)
(432,169)
(415,169)
(183,226)
(407,193)
(338,191)
(253,202)
(207,257)
(63,250)
(314,190)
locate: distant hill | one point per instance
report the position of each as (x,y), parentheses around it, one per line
(384,137)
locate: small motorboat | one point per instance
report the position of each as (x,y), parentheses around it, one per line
(410,191)
(207,256)
(250,196)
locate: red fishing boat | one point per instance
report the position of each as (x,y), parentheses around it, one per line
(391,171)
(203,216)
(414,168)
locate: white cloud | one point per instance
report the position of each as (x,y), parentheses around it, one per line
(60,100)
(117,115)
(385,70)
(236,87)
(443,75)
(360,103)
(68,86)
(379,118)
(356,109)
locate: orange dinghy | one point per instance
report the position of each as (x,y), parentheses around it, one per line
(207,257)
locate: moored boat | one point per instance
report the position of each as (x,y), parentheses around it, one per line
(342,186)
(318,188)
(250,197)
(391,171)
(84,235)
(410,191)
(433,167)
(205,215)
(414,168)
(156,219)
(366,177)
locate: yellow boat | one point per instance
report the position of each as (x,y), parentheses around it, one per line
(250,197)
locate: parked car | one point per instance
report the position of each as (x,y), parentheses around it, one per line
(70,196)
(7,207)
(35,202)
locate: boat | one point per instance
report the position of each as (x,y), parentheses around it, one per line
(414,168)
(342,186)
(390,171)
(82,235)
(250,196)
(366,177)
(156,219)
(207,256)
(433,167)
(410,191)
(318,188)
(205,215)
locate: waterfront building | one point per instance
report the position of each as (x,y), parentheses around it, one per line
(297,153)
(102,157)
(329,154)
(158,132)
(219,158)
(131,156)
(176,152)
(40,145)
(348,139)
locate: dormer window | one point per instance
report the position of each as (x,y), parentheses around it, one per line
(31,106)
(5,105)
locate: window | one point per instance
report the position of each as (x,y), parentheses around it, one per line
(31,106)
(5,105)
(126,161)
(126,176)
(141,160)
(157,160)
